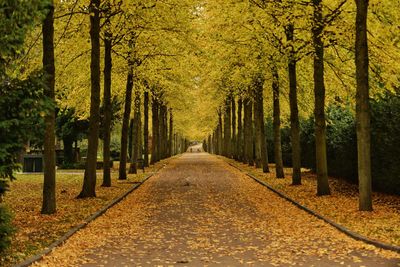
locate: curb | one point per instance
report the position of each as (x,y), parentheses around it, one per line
(341,228)
(88,220)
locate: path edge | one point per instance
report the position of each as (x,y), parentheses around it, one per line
(341,228)
(88,220)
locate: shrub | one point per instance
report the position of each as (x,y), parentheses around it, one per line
(6,228)
(342,143)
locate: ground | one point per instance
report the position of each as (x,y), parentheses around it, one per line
(200,211)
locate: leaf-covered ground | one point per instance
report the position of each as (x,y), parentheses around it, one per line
(199,211)
(36,231)
(341,206)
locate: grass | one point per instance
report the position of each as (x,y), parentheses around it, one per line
(36,231)
(383,224)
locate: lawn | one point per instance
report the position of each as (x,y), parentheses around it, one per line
(36,231)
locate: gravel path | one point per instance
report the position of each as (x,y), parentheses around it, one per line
(199,211)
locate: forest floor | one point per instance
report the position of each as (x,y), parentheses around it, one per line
(36,231)
(200,211)
(383,224)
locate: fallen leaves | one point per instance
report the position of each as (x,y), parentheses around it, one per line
(382,224)
(221,218)
(37,231)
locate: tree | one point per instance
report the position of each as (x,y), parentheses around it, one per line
(89,182)
(49,155)
(146,128)
(107,108)
(363,119)
(277,123)
(319,96)
(294,110)
(125,124)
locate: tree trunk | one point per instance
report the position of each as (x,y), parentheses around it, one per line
(294,112)
(130,138)
(125,125)
(257,132)
(363,119)
(171,133)
(161,140)
(239,140)
(233,142)
(248,132)
(277,125)
(89,181)
(136,140)
(107,109)
(319,107)
(209,145)
(227,127)
(68,143)
(155,130)
(219,133)
(146,129)
(260,117)
(49,155)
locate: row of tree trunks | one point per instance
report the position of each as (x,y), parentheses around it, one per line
(244,126)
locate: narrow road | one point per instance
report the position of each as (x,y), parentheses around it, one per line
(199,211)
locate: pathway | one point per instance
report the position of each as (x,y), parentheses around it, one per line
(199,211)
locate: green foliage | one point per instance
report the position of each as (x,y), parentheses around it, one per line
(22,108)
(342,143)
(16,17)
(385,123)
(70,126)
(6,228)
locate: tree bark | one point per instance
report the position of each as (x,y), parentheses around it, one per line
(136,139)
(248,132)
(261,125)
(155,130)
(162,139)
(239,141)
(107,109)
(209,145)
(257,132)
(68,143)
(125,125)
(219,133)
(319,107)
(363,119)
(146,128)
(171,133)
(277,125)
(294,112)
(49,155)
(89,181)
(233,142)
(227,127)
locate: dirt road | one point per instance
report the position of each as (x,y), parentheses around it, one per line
(199,211)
